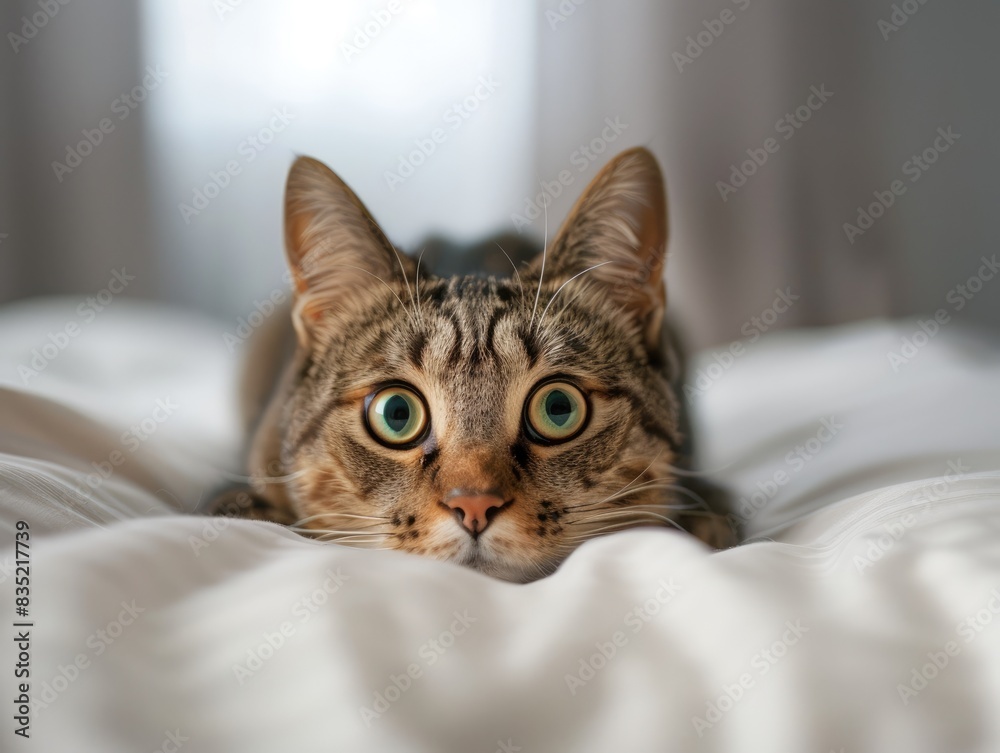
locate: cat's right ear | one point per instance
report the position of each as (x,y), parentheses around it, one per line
(336,251)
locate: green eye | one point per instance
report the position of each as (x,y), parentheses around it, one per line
(555,412)
(396,416)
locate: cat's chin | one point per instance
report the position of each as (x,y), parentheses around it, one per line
(501,565)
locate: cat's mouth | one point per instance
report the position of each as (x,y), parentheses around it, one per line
(483,554)
(481,559)
(484,535)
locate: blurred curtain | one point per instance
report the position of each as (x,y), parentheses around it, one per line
(891,91)
(424,107)
(572,73)
(60,74)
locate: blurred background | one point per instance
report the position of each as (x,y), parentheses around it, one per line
(155,136)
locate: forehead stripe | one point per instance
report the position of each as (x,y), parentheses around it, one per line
(456,350)
(416,351)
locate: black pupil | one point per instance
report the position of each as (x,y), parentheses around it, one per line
(558,407)
(396,413)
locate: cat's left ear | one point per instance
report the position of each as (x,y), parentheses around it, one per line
(337,254)
(621,219)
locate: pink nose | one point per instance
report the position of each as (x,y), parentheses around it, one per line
(474,509)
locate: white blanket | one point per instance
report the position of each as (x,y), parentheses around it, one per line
(864,616)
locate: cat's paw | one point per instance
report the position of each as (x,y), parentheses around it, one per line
(243,502)
(716,530)
(712,526)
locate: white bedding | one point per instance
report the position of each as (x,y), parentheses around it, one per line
(874,557)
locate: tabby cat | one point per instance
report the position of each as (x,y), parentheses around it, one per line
(493,421)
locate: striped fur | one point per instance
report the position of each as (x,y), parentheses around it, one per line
(589,310)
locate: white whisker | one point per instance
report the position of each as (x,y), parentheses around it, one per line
(406,280)
(339,515)
(645,486)
(623,525)
(641,473)
(340,538)
(394,294)
(334,532)
(559,289)
(672,487)
(420,311)
(520,285)
(541,274)
(625,512)
(267,479)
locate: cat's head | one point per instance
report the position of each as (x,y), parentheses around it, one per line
(496,423)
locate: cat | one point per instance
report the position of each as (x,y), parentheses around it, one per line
(493,421)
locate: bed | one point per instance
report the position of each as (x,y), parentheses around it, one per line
(861,614)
